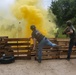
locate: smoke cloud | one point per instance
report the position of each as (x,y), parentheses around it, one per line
(33,13)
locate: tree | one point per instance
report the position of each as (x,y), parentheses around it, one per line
(64,10)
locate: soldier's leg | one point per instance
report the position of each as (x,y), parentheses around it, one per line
(71,43)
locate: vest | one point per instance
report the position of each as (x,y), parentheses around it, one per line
(37,35)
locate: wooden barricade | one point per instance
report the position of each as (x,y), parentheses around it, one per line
(2,44)
(49,52)
(64,43)
(57,53)
(20,47)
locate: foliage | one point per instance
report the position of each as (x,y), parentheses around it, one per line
(60,33)
(64,10)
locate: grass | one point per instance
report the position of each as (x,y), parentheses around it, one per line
(60,35)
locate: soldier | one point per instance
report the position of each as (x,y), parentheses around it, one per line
(42,41)
(71,32)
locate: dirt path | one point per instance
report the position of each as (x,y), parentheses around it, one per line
(32,67)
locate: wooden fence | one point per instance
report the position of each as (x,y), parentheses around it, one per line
(57,53)
(21,48)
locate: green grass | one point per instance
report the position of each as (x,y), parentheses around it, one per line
(60,35)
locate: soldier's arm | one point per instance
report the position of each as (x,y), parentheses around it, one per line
(70,32)
(34,42)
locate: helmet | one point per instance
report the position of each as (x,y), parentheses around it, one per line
(33,27)
(69,23)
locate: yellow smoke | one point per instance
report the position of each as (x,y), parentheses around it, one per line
(32,14)
(11,29)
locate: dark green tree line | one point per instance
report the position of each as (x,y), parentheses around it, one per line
(64,10)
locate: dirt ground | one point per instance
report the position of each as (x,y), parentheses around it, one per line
(32,67)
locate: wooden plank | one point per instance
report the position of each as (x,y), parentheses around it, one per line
(18,44)
(63,56)
(22,57)
(18,53)
(52,40)
(48,57)
(20,48)
(62,40)
(65,53)
(17,39)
